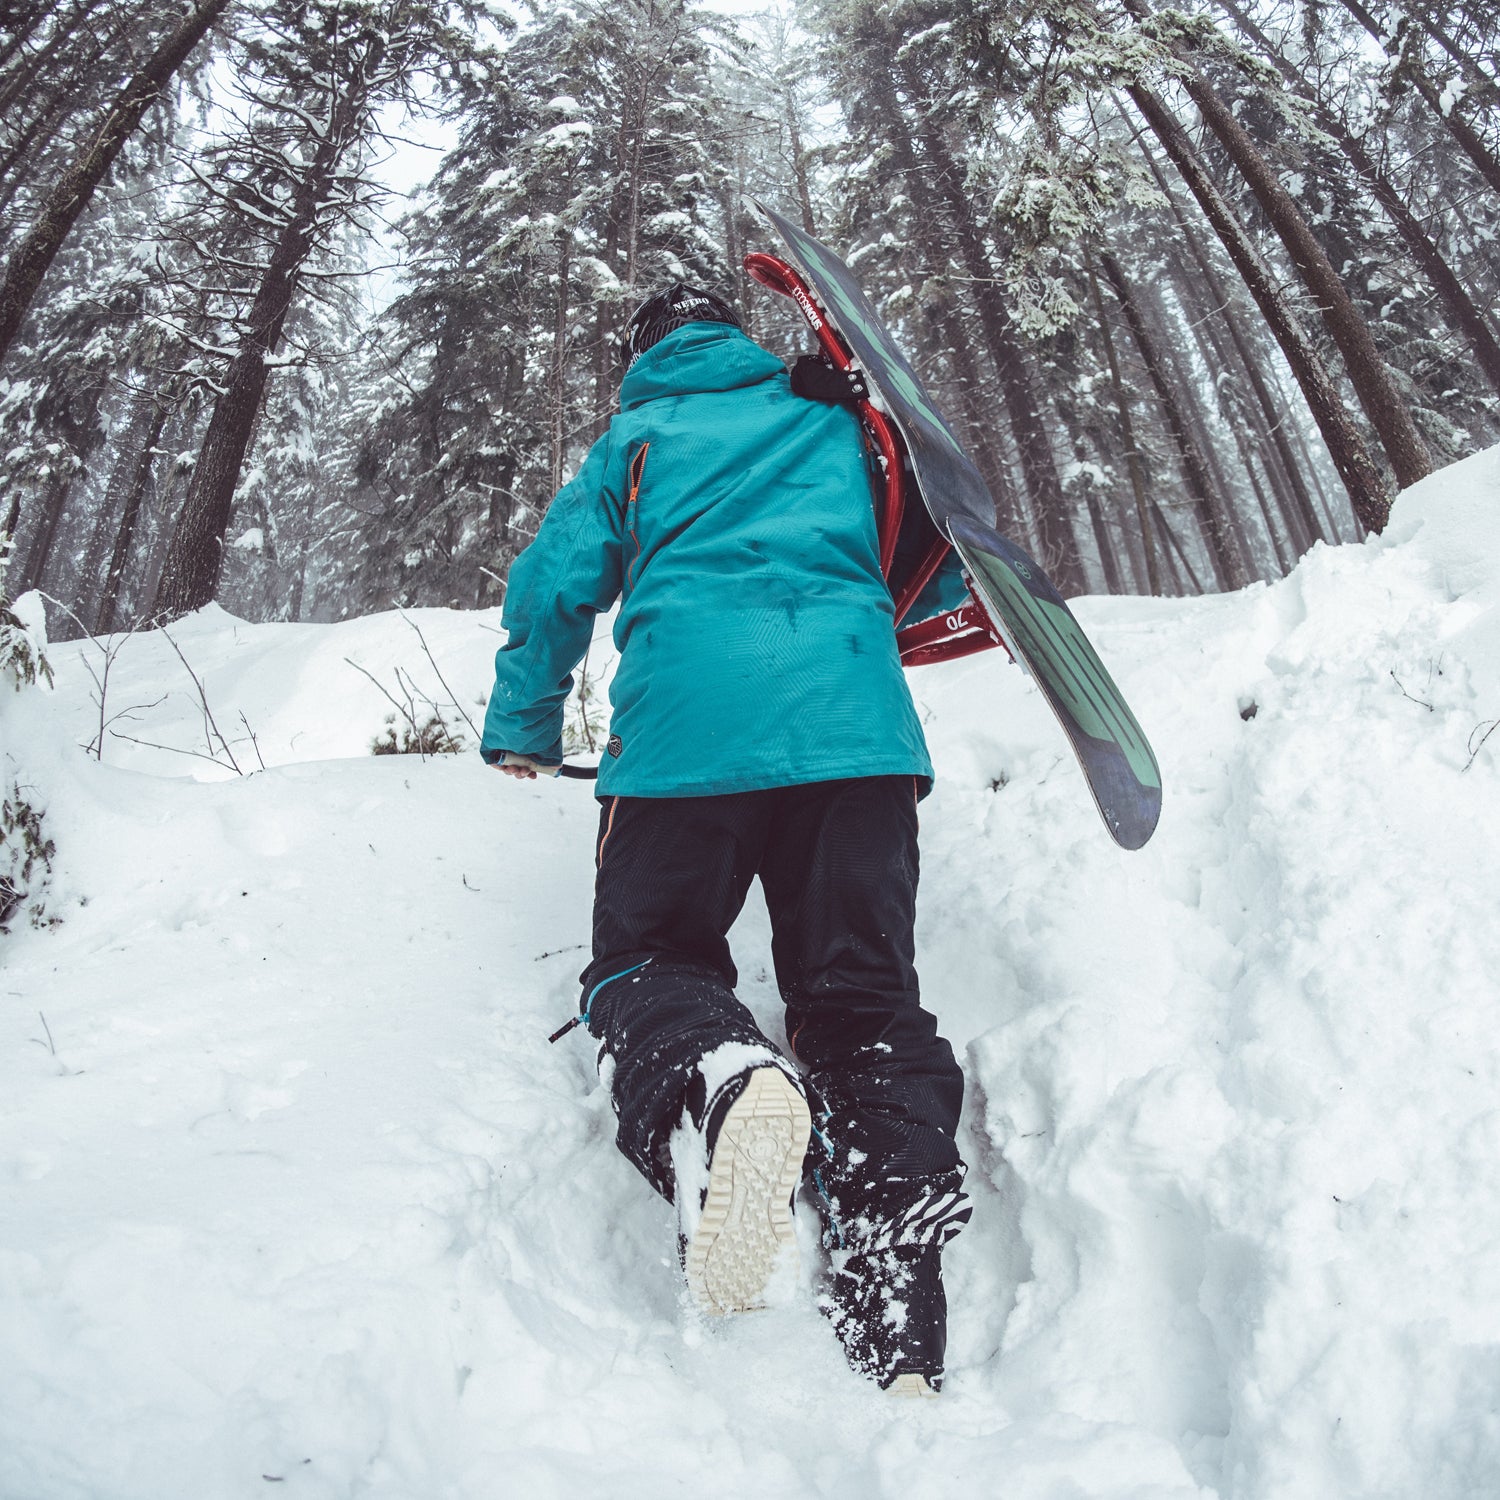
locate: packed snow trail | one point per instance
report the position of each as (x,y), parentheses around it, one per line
(296,1194)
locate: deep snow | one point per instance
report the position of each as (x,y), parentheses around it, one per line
(303,1202)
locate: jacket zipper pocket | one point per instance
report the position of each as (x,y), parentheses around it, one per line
(637,472)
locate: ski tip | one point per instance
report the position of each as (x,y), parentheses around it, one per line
(1134,833)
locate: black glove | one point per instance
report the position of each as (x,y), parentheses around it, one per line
(816,377)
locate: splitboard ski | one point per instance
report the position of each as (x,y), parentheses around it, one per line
(1017,598)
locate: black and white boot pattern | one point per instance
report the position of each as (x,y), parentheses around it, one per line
(891,1315)
(884,1294)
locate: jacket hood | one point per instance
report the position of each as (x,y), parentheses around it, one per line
(697,357)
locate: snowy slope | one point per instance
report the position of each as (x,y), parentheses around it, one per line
(303,1203)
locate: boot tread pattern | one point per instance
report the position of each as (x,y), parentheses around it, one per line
(746,1223)
(912,1385)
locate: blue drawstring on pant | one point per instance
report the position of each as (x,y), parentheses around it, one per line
(583,1015)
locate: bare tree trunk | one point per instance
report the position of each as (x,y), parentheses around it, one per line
(54,107)
(733,250)
(1466,316)
(1127,433)
(1057,545)
(604,370)
(127,453)
(299,588)
(1367,490)
(32,71)
(1230,571)
(1272,416)
(1480,83)
(143,590)
(1388,413)
(7,538)
(1469,140)
(34,139)
(1183,382)
(1174,549)
(75,188)
(502,507)
(83,422)
(1285,554)
(1211,348)
(40,551)
(955,335)
(557,396)
(130,512)
(24,20)
(634,176)
(926,231)
(1332,513)
(195,554)
(799,161)
(1104,544)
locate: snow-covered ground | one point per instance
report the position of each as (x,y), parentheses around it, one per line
(295,1198)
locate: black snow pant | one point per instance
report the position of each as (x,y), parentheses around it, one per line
(837,861)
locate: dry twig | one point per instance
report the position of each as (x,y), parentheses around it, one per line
(428,653)
(95,746)
(402,709)
(255,743)
(1474,749)
(210,725)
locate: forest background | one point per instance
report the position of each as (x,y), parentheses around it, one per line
(309,306)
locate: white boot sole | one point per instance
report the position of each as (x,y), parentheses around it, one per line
(912,1386)
(744,1233)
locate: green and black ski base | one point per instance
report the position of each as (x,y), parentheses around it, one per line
(1019,600)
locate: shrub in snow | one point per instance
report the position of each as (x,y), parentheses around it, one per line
(25,850)
(23,638)
(25,861)
(432,738)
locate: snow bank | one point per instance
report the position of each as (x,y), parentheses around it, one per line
(297,1194)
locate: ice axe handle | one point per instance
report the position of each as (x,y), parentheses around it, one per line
(575,773)
(510,758)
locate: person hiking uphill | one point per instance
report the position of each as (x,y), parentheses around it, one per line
(761,727)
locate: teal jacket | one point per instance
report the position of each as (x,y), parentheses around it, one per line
(734,522)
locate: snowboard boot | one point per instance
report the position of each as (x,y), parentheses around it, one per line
(888,1309)
(738,1159)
